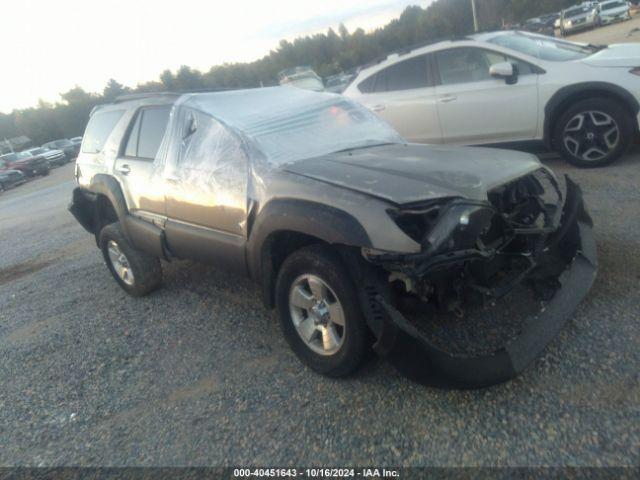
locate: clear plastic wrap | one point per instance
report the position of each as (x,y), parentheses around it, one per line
(278,124)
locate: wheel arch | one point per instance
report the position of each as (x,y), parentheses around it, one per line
(105,203)
(285,225)
(564,97)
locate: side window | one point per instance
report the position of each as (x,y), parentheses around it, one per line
(462,65)
(406,75)
(368,84)
(98,130)
(209,157)
(524,68)
(131,149)
(147,132)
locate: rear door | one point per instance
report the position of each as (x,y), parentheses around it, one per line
(144,192)
(404,95)
(475,108)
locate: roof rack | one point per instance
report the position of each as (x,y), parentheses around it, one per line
(175,93)
(138,96)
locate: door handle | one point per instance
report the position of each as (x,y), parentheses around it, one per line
(378,108)
(124,169)
(448,98)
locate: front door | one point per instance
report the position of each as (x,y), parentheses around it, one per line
(475,108)
(206,192)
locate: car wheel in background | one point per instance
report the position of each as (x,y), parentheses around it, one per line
(320,313)
(593,132)
(1,187)
(138,273)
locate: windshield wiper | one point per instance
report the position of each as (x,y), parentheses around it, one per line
(596,48)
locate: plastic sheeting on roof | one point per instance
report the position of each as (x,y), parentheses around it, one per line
(280,124)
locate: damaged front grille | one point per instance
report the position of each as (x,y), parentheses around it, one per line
(484,248)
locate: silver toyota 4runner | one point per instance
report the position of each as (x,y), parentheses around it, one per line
(338,219)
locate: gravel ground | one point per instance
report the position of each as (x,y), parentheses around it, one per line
(199,374)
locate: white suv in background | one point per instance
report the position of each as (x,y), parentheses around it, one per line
(614,11)
(511,88)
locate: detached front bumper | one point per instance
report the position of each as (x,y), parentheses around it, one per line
(414,355)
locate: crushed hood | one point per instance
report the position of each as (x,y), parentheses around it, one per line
(410,173)
(617,55)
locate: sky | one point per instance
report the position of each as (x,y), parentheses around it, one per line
(47,47)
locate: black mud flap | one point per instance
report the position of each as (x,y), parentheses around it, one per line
(414,355)
(83,209)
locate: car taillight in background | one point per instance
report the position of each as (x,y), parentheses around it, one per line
(635,71)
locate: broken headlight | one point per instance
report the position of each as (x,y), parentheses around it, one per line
(455,225)
(459,227)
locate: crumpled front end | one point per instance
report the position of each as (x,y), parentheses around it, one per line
(529,235)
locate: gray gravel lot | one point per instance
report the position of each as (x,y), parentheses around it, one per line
(199,374)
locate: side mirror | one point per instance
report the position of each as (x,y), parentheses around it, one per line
(505,70)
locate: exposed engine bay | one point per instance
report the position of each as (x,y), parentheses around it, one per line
(474,253)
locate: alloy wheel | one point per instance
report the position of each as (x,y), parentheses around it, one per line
(317,314)
(591,135)
(120,263)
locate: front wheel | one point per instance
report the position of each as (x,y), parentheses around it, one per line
(320,313)
(593,132)
(137,273)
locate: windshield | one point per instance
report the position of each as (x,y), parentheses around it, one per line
(544,48)
(288,124)
(577,10)
(35,151)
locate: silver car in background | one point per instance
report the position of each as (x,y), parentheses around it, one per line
(614,11)
(583,16)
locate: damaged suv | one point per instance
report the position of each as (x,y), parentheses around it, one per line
(338,219)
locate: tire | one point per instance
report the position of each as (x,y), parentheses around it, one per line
(309,264)
(144,272)
(1,187)
(582,143)
(45,173)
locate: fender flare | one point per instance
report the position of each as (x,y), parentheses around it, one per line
(326,223)
(553,107)
(142,235)
(102,184)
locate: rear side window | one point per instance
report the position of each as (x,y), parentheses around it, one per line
(98,130)
(406,75)
(147,132)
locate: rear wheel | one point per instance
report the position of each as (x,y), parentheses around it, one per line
(138,273)
(320,313)
(593,132)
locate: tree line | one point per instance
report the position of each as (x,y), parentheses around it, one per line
(327,53)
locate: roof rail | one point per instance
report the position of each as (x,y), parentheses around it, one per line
(176,93)
(138,96)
